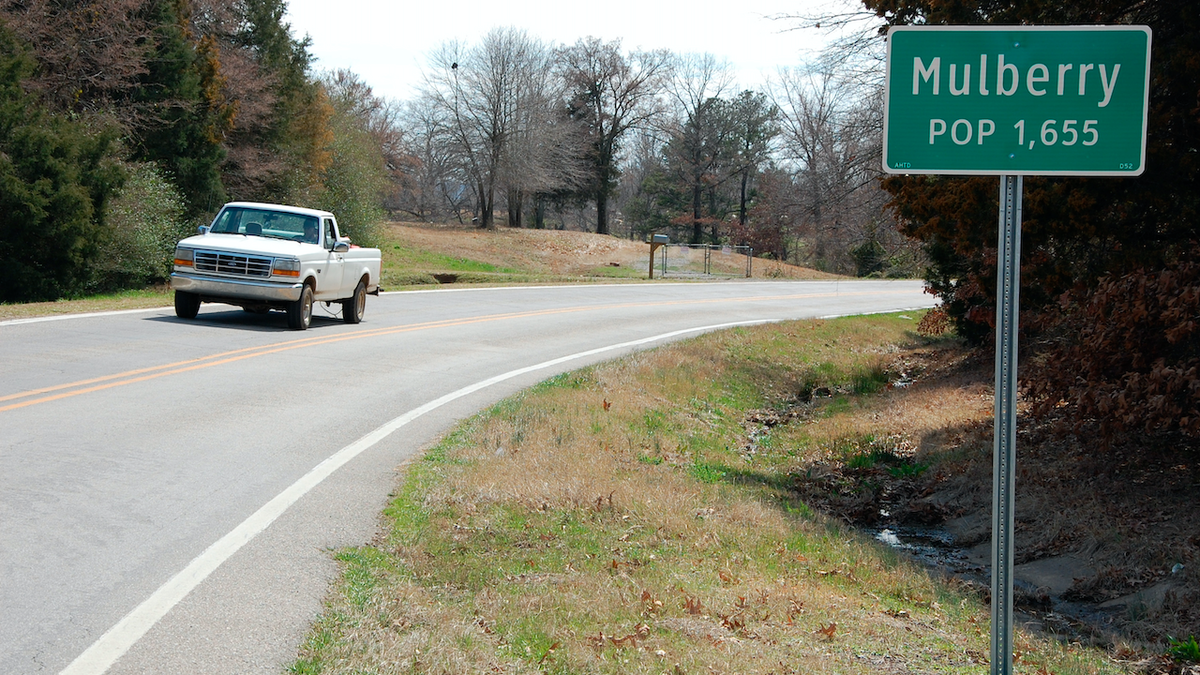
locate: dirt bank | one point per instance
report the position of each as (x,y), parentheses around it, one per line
(1107,538)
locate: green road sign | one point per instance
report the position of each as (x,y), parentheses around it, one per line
(1008,100)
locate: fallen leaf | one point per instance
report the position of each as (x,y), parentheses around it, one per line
(828,631)
(549,651)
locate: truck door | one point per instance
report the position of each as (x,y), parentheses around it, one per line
(335,264)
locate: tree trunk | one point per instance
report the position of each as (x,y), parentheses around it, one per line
(742,202)
(516,198)
(487,207)
(539,212)
(697,205)
(602,209)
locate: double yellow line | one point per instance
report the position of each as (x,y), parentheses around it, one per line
(62,391)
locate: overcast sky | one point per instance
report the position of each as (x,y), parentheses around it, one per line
(387,42)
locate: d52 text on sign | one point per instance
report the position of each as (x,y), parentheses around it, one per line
(1045,100)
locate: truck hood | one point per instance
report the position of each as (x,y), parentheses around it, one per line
(239,243)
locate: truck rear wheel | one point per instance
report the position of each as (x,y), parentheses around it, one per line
(299,313)
(187,305)
(354,306)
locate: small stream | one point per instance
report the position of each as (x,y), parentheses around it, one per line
(935,549)
(932,546)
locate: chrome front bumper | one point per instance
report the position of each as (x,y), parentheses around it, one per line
(236,289)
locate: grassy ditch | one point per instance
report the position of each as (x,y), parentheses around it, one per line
(642,516)
(146,298)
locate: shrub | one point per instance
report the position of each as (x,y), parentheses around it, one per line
(1128,353)
(144,222)
(56,175)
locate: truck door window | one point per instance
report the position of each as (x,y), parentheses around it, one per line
(330,234)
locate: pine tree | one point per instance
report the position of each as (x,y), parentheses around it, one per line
(188,119)
(56,177)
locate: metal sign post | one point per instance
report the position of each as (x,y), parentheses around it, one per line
(1014,101)
(1004,451)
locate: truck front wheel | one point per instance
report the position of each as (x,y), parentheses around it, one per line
(299,313)
(187,305)
(354,306)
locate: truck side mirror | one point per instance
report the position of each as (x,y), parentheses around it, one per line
(203,229)
(341,246)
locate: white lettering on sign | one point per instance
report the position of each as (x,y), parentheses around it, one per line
(966,135)
(966,83)
(920,71)
(1062,76)
(986,128)
(1108,85)
(1008,78)
(961,131)
(1037,73)
(1001,69)
(936,128)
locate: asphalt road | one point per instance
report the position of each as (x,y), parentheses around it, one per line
(170,490)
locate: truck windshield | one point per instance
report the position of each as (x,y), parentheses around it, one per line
(265,223)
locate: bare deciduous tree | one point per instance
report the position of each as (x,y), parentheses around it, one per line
(545,149)
(89,53)
(832,135)
(437,185)
(499,106)
(610,93)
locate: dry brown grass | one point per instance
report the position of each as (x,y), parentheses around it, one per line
(614,520)
(561,252)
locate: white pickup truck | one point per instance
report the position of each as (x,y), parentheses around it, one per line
(266,256)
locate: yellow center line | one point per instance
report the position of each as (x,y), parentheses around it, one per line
(144,374)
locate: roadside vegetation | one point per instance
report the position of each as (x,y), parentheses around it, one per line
(417,255)
(645,515)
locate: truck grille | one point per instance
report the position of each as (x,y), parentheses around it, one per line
(232,263)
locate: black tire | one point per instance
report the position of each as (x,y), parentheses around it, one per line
(187,305)
(299,313)
(354,306)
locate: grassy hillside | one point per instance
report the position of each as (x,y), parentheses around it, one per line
(421,255)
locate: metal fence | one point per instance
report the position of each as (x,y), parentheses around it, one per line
(700,260)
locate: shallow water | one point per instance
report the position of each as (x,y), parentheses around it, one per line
(934,547)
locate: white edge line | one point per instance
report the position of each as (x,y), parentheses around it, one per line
(93,315)
(466,289)
(116,641)
(85,315)
(166,308)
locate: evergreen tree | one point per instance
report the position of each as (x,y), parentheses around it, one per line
(189,119)
(299,133)
(1075,230)
(56,177)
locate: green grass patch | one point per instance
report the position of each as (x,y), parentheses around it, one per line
(1184,651)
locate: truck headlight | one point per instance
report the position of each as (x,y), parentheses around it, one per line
(287,267)
(184,257)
